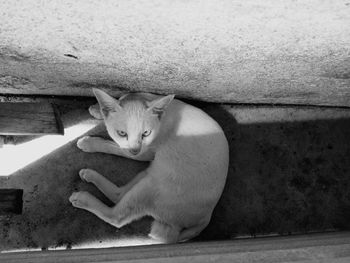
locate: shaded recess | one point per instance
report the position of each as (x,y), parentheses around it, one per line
(289,173)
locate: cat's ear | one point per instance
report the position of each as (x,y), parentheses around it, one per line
(158,106)
(107,103)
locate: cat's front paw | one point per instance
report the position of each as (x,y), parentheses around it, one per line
(86,144)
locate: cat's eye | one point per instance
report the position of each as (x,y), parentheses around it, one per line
(146,133)
(121,133)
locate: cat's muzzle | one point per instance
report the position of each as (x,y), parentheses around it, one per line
(134,151)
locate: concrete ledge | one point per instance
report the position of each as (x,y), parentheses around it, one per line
(331,247)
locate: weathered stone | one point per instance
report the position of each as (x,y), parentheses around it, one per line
(223,51)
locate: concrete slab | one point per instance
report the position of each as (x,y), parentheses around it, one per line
(289,173)
(326,247)
(294,52)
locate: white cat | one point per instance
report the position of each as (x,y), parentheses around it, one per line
(189,157)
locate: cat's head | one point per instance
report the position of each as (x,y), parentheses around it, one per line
(132,121)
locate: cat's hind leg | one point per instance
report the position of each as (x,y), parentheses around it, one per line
(136,203)
(109,189)
(86,201)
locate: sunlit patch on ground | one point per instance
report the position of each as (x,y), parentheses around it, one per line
(15,157)
(122,242)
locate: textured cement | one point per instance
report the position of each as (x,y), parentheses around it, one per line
(270,51)
(289,173)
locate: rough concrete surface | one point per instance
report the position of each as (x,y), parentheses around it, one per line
(320,247)
(252,51)
(289,172)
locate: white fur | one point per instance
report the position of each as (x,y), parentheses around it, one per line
(189,161)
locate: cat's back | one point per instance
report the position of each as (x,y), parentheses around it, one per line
(190,166)
(195,148)
(192,125)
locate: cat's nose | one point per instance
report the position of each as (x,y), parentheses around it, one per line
(134,151)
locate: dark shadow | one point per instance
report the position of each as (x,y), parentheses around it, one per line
(284,177)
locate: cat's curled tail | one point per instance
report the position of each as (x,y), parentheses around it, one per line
(172,234)
(164,232)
